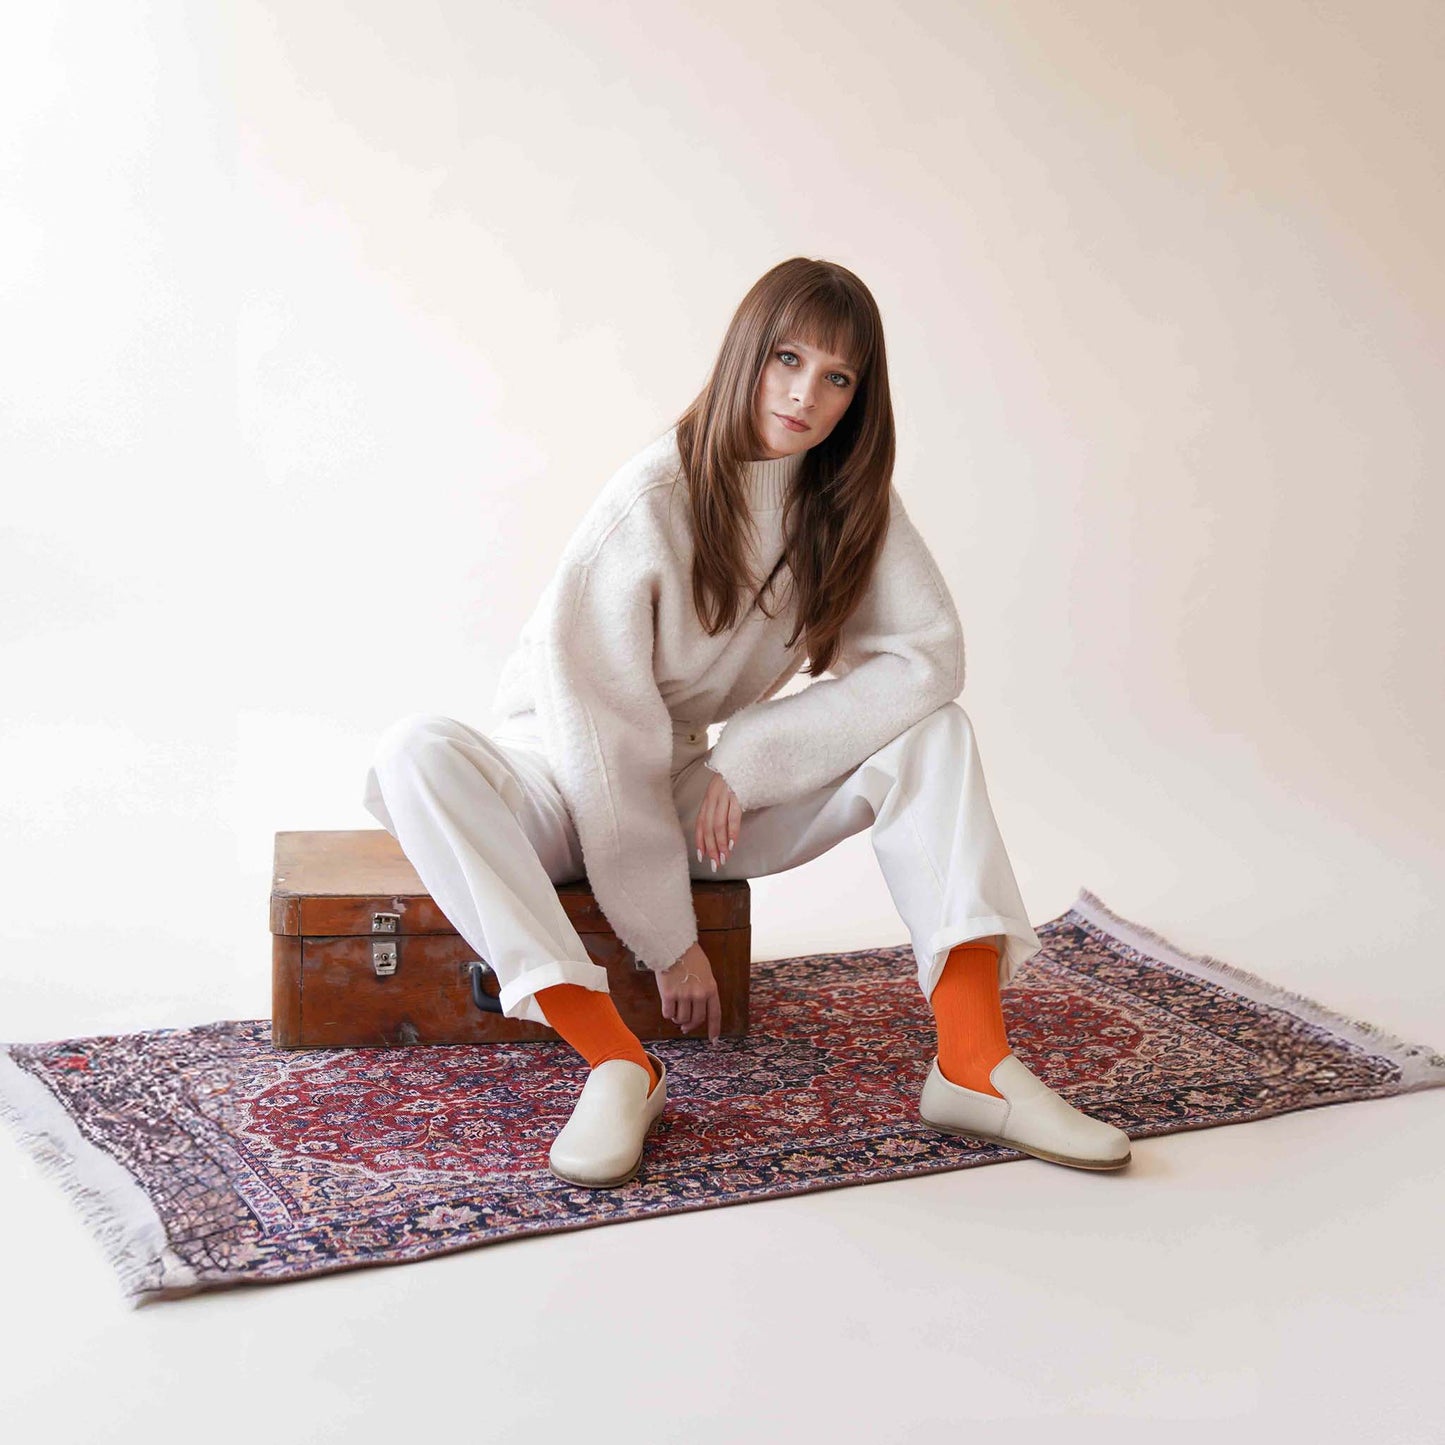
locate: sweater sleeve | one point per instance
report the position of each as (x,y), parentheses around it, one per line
(609,737)
(900,657)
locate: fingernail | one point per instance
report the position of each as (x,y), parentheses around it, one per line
(732,843)
(714,865)
(699,855)
(724,857)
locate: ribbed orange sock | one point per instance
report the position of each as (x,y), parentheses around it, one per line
(589,1021)
(972,1037)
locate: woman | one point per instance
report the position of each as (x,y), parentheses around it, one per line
(760,532)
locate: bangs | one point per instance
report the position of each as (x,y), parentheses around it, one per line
(838,331)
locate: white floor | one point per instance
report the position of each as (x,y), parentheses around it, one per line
(1245,1281)
(1284,1275)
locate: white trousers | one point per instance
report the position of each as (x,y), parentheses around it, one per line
(481,820)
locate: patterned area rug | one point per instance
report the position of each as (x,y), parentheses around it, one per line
(204,1157)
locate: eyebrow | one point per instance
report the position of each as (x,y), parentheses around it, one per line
(835,360)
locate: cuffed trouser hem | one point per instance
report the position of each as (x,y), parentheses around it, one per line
(516,995)
(1020,943)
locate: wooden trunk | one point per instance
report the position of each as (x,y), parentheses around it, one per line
(362,957)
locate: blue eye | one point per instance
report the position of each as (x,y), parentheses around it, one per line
(845,381)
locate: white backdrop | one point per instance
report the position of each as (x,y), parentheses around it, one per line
(325,327)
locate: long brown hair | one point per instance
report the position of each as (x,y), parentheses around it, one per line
(835,516)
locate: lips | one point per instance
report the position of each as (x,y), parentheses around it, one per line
(792,423)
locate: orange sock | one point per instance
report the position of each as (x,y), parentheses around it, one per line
(969,1014)
(589,1021)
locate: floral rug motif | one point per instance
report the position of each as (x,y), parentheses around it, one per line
(204,1157)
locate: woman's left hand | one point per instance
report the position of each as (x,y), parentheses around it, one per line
(719,821)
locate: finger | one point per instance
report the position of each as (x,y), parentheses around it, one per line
(705,821)
(700,832)
(720,828)
(714,1015)
(702,817)
(735,820)
(710,834)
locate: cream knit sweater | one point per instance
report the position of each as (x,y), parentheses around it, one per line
(613,660)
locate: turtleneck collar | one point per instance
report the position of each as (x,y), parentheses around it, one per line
(766,483)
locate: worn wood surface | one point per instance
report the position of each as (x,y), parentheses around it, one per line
(328,886)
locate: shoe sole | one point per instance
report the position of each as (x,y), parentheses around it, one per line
(609,1183)
(1045,1154)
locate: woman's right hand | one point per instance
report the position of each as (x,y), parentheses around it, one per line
(689,993)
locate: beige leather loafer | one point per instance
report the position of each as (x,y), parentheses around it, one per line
(1030,1117)
(601,1144)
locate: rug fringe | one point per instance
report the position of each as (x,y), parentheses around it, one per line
(1421,1067)
(113,1205)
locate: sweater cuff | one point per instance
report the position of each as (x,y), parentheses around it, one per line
(672,949)
(707,762)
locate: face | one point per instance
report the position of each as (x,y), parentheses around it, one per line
(800,381)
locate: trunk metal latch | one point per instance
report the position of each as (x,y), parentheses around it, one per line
(384,953)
